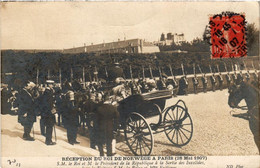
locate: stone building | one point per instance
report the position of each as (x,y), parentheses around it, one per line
(125,46)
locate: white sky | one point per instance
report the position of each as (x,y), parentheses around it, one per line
(58,25)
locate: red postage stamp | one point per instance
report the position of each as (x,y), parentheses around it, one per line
(228,35)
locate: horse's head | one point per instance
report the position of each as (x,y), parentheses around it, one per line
(235,95)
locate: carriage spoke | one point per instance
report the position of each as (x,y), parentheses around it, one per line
(180,136)
(181,114)
(143,147)
(172,115)
(186,130)
(142,124)
(186,124)
(177,137)
(139,121)
(140,147)
(136,146)
(173,134)
(177,113)
(169,132)
(146,144)
(133,142)
(184,134)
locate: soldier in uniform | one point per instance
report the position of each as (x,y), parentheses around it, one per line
(204,83)
(151,85)
(255,81)
(175,85)
(26,113)
(161,84)
(228,79)
(47,111)
(220,80)
(235,78)
(184,85)
(71,117)
(240,78)
(119,91)
(213,82)
(195,83)
(247,76)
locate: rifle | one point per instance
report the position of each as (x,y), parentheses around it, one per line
(96,73)
(182,70)
(194,69)
(210,69)
(225,66)
(143,73)
(131,73)
(151,72)
(106,72)
(245,64)
(173,77)
(171,70)
(160,72)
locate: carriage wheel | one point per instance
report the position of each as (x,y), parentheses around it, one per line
(138,135)
(178,125)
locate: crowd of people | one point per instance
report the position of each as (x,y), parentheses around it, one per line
(74,104)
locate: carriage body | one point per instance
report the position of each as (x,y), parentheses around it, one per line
(143,115)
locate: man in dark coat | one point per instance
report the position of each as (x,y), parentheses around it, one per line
(195,83)
(213,82)
(47,112)
(183,90)
(228,79)
(71,117)
(220,80)
(26,113)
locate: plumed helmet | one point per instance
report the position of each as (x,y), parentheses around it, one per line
(119,79)
(70,95)
(151,83)
(31,85)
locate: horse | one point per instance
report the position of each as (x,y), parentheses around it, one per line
(251,95)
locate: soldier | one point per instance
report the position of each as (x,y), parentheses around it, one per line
(195,83)
(151,85)
(47,111)
(71,117)
(161,84)
(213,82)
(204,83)
(228,79)
(235,78)
(59,107)
(186,84)
(26,113)
(220,80)
(175,85)
(240,78)
(247,76)
(119,91)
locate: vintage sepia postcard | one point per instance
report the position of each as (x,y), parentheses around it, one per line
(130,84)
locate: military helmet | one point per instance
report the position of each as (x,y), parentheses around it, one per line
(70,95)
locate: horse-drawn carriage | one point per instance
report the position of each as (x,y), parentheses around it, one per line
(136,110)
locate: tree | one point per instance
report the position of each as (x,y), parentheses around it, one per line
(252,39)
